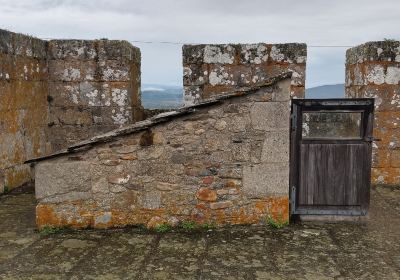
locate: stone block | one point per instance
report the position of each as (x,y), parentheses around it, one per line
(206,194)
(17,175)
(375,74)
(150,200)
(192,54)
(266,179)
(392,75)
(72,49)
(115,70)
(192,95)
(270,116)
(73,117)
(219,54)
(230,75)
(54,179)
(94,94)
(195,74)
(254,53)
(221,205)
(6,42)
(289,53)
(118,50)
(283,91)
(276,147)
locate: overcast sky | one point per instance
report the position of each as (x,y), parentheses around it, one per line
(315,22)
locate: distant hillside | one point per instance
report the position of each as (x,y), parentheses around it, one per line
(161,96)
(326,91)
(156,96)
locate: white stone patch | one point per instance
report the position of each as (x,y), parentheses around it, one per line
(392,145)
(119,96)
(296,78)
(114,74)
(7,76)
(376,75)
(187,72)
(216,79)
(71,74)
(301,59)
(123,180)
(276,54)
(120,119)
(396,100)
(29,52)
(92,97)
(358,76)
(80,51)
(379,51)
(260,54)
(213,54)
(397,58)
(380,179)
(73,96)
(392,75)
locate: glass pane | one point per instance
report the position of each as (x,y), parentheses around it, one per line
(332,125)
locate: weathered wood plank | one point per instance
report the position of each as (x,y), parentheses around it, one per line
(333,174)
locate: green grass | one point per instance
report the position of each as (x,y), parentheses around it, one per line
(188,225)
(208,226)
(47,230)
(162,228)
(6,189)
(276,223)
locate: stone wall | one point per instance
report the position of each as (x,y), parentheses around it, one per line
(209,70)
(225,162)
(59,92)
(373,70)
(94,88)
(23,106)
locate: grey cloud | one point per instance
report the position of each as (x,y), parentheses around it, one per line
(314,22)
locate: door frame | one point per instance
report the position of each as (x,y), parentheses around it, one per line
(298,106)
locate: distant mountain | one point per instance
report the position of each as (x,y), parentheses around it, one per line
(156,96)
(326,91)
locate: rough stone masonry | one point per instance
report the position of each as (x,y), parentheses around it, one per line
(55,93)
(373,70)
(223,161)
(209,70)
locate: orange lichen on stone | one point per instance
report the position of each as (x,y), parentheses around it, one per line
(73,214)
(17,176)
(206,194)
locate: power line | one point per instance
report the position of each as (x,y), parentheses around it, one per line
(189,43)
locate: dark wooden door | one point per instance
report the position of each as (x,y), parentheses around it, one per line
(331,156)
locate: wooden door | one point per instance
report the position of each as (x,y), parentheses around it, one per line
(331,156)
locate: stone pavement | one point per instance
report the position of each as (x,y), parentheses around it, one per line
(299,251)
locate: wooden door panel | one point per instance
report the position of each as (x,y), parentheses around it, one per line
(330,152)
(332,174)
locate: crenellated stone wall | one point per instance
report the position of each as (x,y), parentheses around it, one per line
(55,93)
(23,106)
(94,88)
(220,162)
(373,70)
(210,70)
